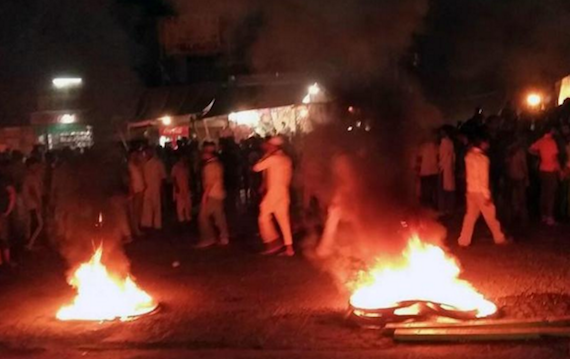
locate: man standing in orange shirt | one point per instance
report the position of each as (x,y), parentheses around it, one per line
(547,149)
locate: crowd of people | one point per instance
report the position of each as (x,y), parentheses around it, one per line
(43,196)
(508,168)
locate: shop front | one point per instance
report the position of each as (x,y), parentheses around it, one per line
(60,129)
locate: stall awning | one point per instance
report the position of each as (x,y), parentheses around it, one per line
(218,99)
(234,98)
(175,101)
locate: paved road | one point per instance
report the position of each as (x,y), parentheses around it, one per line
(230,303)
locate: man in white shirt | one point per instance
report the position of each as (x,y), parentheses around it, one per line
(212,206)
(278,171)
(478,199)
(154,176)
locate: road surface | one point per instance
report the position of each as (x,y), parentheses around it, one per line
(231,303)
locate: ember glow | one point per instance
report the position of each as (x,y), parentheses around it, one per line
(424,273)
(102,296)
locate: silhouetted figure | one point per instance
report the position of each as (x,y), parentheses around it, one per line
(547,150)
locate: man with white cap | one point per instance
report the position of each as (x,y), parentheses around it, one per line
(278,170)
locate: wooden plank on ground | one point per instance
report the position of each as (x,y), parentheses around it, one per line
(479,334)
(484,323)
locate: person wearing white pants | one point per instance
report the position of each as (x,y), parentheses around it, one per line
(154,175)
(478,196)
(278,169)
(340,208)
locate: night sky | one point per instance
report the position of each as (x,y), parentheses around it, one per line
(459,52)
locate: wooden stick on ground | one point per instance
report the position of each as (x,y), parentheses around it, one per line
(479,334)
(483,323)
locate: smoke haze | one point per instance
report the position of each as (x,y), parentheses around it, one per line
(88,186)
(355,39)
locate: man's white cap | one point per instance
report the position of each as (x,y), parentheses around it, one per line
(276,141)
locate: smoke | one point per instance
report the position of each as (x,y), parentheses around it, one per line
(45,39)
(368,177)
(356,39)
(360,45)
(473,48)
(88,186)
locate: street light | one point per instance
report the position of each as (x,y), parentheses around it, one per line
(61,83)
(166,120)
(534,100)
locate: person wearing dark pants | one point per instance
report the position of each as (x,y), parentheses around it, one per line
(548,188)
(428,171)
(547,149)
(212,205)
(517,182)
(429,190)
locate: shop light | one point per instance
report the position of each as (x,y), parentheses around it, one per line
(67,119)
(246,118)
(67,82)
(166,120)
(313,90)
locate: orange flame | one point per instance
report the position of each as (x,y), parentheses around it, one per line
(425,273)
(101,296)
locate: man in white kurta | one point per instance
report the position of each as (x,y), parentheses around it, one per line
(479,198)
(154,175)
(278,171)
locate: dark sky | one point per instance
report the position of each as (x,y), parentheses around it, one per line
(479,50)
(467,49)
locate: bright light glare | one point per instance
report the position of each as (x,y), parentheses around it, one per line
(246,118)
(66,82)
(314,89)
(67,119)
(304,112)
(166,120)
(534,100)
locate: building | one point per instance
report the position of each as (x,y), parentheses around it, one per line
(242,107)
